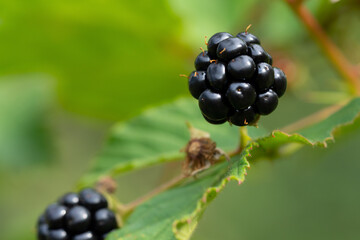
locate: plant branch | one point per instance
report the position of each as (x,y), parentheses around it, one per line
(312,118)
(335,56)
(173,182)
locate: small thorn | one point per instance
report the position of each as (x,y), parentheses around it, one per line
(245,122)
(245,173)
(240,182)
(272,134)
(204,199)
(188,220)
(221,52)
(206,43)
(247,28)
(203,51)
(184,75)
(213,60)
(195,74)
(218,190)
(249,155)
(228,178)
(251,148)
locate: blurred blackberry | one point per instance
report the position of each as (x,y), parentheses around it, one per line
(77,216)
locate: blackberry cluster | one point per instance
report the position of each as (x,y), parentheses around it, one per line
(234,80)
(83,216)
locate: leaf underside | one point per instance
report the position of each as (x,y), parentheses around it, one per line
(158,134)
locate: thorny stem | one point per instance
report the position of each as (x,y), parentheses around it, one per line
(335,56)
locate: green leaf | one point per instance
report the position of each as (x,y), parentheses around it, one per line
(157,136)
(110,58)
(174,214)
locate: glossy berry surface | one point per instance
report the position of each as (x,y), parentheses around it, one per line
(241,68)
(264,77)
(235,80)
(213,105)
(248,38)
(230,48)
(82,216)
(197,83)
(241,95)
(216,122)
(69,199)
(202,61)
(280,82)
(258,54)
(216,75)
(104,220)
(85,236)
(58,234)
(78,219)
(92,199)
(244,117)
(55,215)
(214,42)
(42,231)
(266,102)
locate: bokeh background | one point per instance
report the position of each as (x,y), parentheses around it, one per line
(70,69)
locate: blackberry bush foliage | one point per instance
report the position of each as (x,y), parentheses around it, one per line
(235,81)
(83,216)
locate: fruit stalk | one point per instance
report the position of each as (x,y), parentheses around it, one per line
(332,52)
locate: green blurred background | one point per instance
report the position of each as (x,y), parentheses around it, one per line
(70,69)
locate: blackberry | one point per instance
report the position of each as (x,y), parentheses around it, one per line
(91,199)
(248,38)
(58,234)
(78,219)
(213,105)
(85,236)
(104,221)
(234,80)
(82,216)
(264,77)
(216,75)
(197,83)
(241,95)
(279,82)
(214,42)
(230,48)
(69,199)
(242,68)
(266,102)
(258,54)
(216,122)
(55,215)
(244,117)
(202,61)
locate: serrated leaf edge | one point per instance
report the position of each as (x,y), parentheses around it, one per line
(190,220)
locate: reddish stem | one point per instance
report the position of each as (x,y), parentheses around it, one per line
(335,56)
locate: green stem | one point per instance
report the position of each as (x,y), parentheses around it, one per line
(244,141)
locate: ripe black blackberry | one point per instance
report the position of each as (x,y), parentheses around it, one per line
(235,81)
(82,216)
